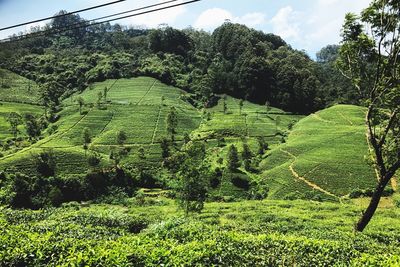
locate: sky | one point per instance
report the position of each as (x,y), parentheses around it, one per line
(306,25)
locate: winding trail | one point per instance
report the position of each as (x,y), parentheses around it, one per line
(345,118)
(301,178)
(393,183)
(315,115)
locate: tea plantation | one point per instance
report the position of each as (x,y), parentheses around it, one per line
(325,155)
(320,158)
(151,232)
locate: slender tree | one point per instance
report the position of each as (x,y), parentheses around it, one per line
(81,103)
(224,106)
(87,138)
(240,106)
(105,91)
(193,178)
(165,153)
(172,122)
(370,58)
(14,119)
(233,158)
(121,137)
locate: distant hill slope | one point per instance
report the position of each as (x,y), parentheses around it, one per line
(324,155)
(15,88)
(132,105)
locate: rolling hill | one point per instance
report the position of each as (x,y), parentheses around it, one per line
(324,155)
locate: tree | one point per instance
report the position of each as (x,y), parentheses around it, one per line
(246,152)
(164,148)
(15,119)
(87,138)
(94,159)
(369,57)
(172,122)
(262,145)
(246,156)
(193,178)
(224,106)
(99,97)
(32,126)
(81,103)
(121,137)
(45,163)
(240,106)
(105,91)
(233,158)
(141,153)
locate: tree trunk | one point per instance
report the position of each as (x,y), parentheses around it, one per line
(373,205)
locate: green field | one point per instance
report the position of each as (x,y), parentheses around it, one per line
(327,149)
(15,88)
(322,157)
(155,233)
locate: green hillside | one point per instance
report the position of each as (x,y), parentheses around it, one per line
(139,107)
(15,88)
(324,155)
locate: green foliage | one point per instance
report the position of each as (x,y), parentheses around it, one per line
(121,137)
(172,121)
(32,125)
(193,178)
(244,233)
(233,158)
(15,120)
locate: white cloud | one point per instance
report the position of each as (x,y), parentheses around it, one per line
(151,20)
(214,17)
(251,19)
(317,26)
(285,23)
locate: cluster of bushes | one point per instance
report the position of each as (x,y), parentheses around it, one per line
(356,193)
(22,191)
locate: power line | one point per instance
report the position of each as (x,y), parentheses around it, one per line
(67,28)
(61,15)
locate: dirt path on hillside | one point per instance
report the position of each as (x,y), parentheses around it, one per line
(345,118)
(301,178)
(393,183)
(315,115)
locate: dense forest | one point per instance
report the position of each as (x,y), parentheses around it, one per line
(233,60)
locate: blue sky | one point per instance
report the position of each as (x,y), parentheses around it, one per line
(306,25)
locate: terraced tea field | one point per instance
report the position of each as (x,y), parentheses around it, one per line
(324,155)
(15,88)
(139,107)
